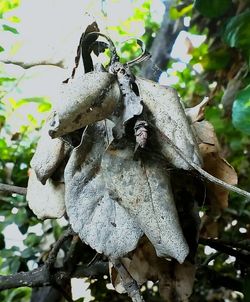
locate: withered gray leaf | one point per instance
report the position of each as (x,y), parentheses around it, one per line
(170,121)
(144,190)
(131,104)
(46,201)
(84,100)
(93,213)
(49,155)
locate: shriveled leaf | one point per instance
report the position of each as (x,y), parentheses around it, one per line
(49,155)
(175,280)
(214,164)
(168,117)
(93,213)
(84,100)
(144,190)
(196,113)
(46,201)
(131,102)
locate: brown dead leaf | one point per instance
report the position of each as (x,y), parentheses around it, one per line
(175,280)
(196,113)
(214,164)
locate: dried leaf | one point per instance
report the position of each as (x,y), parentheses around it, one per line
(93,213)
(84,100)
(196,114)
(46,201)
(176,284)
(48,156)
(175,280)
(168,116)
(214,164)
(150,201)
(132,105)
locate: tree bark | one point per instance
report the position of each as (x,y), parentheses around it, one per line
(162,46)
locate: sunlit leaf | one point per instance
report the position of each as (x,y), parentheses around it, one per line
(14,19)
(176,14)
(44,107)
(39,100)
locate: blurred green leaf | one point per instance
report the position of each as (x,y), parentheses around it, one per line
(176,14)
(236,33)
(14,265)
(14,19)
(6,5)
(10,28)
(28,253)
(241,110)
(212,8)
(1,49)
(44,107)
(216,60)
(32,240)
(38,100)
(21,294)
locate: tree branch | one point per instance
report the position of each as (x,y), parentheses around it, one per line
(54,251)
(26,65)
(226,249)
(202,172)
(35,278)
(162,45)
(129,283)
(13,189)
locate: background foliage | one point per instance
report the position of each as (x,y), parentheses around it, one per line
(218,68)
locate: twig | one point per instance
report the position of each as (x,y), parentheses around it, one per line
(129,283)
(202,172)
(25,65)
(220,246)
(13,189)
(54,251)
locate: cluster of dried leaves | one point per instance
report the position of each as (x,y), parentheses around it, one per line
(107,159)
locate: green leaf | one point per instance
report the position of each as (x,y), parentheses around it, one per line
(10,28)
(14,265)
(14,19)
(216,60)
(38,100)
(241,111)
(176,14)
(1,49)
(32,240)
(44,107)
(212,8)
(236,33)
